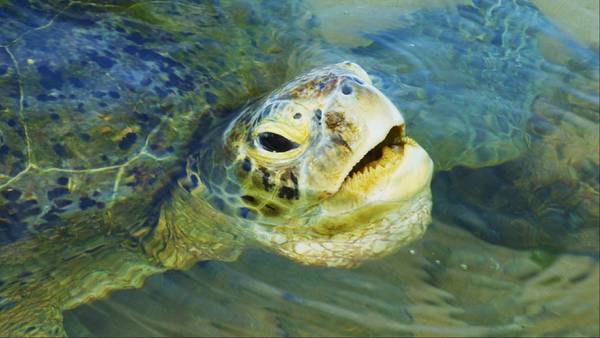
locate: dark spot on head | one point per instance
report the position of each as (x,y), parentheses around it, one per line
(62,180)
(265,179)
(210,97)
(318,114)
(55,116)
(249,199)
(297,116)
(294,179)
(11,194)
(334,120)
(128,140)
(246,164)
(270,210)
(288,193)
(86,202)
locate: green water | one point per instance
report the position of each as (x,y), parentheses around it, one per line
(513,249)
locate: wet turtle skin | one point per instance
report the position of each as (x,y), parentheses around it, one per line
(98,106)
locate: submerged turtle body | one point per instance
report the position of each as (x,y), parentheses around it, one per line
(135,138)
(98,105)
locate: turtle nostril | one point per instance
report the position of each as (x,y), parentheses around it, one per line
(346,89)
(357,80)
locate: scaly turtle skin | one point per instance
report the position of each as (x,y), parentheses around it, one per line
(124,155)
(98,104)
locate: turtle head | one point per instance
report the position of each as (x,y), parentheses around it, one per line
(326,174)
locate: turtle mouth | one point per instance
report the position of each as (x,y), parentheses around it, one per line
(386,153)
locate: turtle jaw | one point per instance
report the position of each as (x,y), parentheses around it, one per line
(384,228)
(394,170)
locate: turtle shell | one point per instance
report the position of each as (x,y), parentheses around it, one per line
(98,101)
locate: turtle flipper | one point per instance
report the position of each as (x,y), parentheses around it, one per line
(41,278)
(32,318)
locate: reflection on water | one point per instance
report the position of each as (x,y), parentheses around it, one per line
(450,283)
(508,107)
(514,245)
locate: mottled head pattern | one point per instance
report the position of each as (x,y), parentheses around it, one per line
(322,171)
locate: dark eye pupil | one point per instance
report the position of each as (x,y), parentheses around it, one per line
(346,89)
(275,142)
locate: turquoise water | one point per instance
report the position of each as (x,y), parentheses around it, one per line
(505,99)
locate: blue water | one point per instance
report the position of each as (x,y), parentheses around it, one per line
(505,99)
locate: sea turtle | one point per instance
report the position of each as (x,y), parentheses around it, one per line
(124,155)
(144,136)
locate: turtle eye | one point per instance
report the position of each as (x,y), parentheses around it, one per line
(275,143)
(346,89)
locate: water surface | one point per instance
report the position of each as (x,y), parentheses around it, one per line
(513,248)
